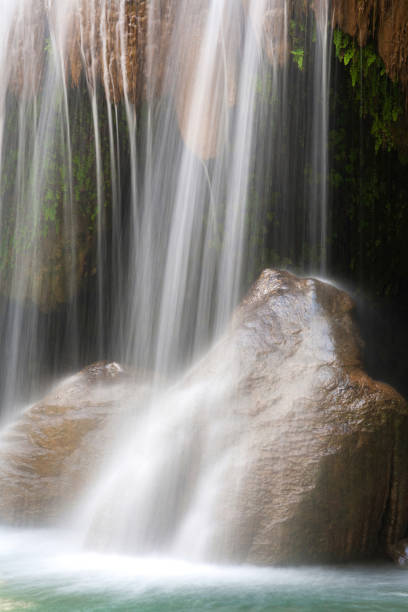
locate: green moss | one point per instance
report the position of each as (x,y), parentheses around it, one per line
(379,98)
(369,194)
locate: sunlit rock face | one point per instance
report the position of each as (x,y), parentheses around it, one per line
(275,448)
(326,476)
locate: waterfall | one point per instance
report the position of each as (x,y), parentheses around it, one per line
(155,156)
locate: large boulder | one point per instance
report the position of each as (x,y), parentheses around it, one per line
(325,475)
(275,447)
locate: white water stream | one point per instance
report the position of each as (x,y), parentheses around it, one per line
(174,198)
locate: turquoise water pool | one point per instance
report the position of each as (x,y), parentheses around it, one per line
(45,571)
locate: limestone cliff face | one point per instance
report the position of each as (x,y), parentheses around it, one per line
(104,42)
(111,41)
(384,20)
(124,46)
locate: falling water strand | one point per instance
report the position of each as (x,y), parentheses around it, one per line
(149,140)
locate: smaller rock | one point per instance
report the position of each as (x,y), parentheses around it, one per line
(48,456)
(399,553)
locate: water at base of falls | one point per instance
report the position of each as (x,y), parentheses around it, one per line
(43,571)
(165,177)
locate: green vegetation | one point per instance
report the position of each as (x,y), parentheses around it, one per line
(369,192)
(298,55)
(297,39)
(63,208)
(378,97)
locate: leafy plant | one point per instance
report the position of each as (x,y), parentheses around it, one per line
(297,37)
(378,97)
(298,55)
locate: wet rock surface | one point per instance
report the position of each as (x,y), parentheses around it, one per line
(298,455)
(326,476)
(48,454)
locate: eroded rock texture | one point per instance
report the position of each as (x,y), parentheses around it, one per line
(384,20)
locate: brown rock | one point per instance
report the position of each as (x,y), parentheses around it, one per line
(386,21)
(47,456)
(326,474)
(311,453)
(200,115)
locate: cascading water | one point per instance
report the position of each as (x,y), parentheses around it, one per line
(141,144)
